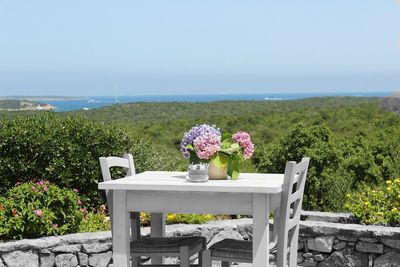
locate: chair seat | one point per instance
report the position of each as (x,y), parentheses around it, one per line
(235,249)
(166,244)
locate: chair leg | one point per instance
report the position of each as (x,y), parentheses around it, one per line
(226,264)
(135,261)
(184,256)
(206,258)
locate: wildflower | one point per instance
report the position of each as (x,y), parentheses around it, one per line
(14,212)
(45,189)
(83,210)
(75,190)
(366,203)
(171,217)
(397,181)
(79,202)
(38,213)
(55,226)
(2,208)
(34,188)
(40,182)
(388,182)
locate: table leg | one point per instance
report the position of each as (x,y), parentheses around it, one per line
(260,230)
(120,230)
(157,230)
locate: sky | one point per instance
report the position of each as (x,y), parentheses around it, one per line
(148,47)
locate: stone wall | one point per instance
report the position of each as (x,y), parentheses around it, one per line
(321,243)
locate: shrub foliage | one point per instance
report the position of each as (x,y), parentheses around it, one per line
(39,209)
(66,151)
(376,205)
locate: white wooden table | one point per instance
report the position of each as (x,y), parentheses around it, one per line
(161,192)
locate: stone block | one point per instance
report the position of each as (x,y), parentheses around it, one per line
(309,262)
(345,258)
(83,259)
(100,260)
(347,238)
(391,243)
(319,257)
(66,260)
(2,263)
(307,255)
(92,248)
(369,247)
(390,259)
(340,245)
(21,259)
(47,260)
(321,244)
(67,248)
(369,239)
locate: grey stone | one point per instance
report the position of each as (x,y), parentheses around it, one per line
(369,239)
(224,235)
(96,247)
(66,260)
(47,260)
(351,244)
(81,238)
(300,246)
(100,260)
(307,255)
(369,247)
(29,244)
(391,243)
(300,258)
(390,259)
(347,238)
(83,259)
(340,245)
(345,258)
(67,248)
(309,262)
(325,216)
(319,257)
(44,251)
(21,259)
(2,263)
(321,244)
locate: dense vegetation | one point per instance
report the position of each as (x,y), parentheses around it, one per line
(66,151)
(351,141)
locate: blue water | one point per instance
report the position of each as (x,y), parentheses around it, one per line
(101,101)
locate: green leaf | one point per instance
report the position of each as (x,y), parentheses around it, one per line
(234,169)
(226,136)
(232,149)
(189,146)
(221,160)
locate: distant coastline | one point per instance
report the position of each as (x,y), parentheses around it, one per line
(42,98)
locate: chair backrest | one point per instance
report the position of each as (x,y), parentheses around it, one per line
(290,209)
(125,162)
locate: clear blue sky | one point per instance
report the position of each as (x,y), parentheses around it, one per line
(146,47)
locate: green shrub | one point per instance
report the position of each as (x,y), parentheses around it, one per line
(324,184)
(39,209)
(66,152)
(173,218)
(376,205)
(95,220)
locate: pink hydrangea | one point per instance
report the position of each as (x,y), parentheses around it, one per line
(45,189)
(38,213)
(207,145)
(244,140)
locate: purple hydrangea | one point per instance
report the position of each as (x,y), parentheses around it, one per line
(198,131)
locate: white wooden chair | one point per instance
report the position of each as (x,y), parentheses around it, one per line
(287,220)
(182,247)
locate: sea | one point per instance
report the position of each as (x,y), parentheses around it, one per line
(93,102)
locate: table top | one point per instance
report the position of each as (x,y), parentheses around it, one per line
(177,181)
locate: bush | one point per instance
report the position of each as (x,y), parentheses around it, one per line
(66,152)
(173,218)
(95,220)
(38,209)
(324,185)
(376,205)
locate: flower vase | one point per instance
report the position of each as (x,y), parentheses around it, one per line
(217,173)
(198,172)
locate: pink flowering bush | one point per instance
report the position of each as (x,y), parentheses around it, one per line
(35,209)
(206,143)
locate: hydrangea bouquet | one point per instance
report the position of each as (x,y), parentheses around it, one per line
(205,143)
